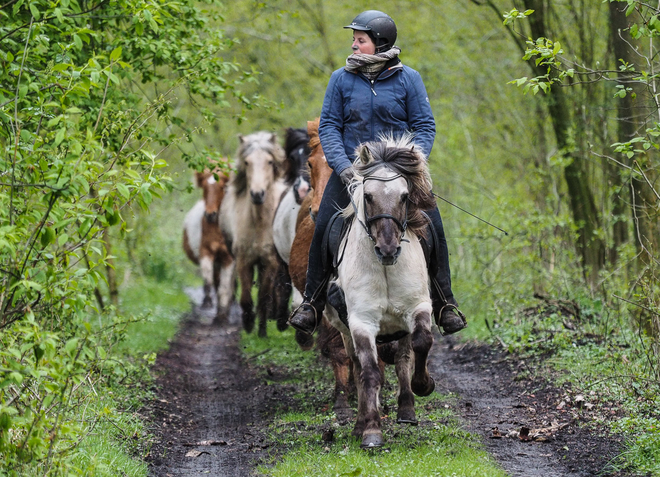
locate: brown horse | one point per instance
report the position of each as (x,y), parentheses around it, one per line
(202,240)
(246,220)
(329,339)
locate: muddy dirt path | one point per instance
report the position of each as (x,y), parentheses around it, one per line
(209,395)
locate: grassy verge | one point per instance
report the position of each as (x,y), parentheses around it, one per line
(438,446)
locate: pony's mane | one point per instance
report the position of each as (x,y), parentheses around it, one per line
(252,142)
(404,157)
(293,141)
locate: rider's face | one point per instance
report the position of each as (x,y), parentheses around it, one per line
(362,43)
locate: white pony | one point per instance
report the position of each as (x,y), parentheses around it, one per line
(246,220)
(384,276)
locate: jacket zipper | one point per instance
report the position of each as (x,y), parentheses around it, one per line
(372,87)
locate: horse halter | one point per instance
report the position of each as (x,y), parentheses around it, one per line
(403,226)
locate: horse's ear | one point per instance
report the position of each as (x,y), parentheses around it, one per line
(199,179)
(241,138)
(364,154)
(273,138)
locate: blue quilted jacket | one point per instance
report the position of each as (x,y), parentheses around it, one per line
(355,110)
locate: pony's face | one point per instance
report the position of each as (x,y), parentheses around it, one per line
(213,193)
(260,167)
(386,197)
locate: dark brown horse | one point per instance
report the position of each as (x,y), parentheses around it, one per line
(202,240)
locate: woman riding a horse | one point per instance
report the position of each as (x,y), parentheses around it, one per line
(373,94)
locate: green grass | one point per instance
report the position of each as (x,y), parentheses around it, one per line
(438,446)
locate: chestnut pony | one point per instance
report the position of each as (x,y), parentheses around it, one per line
(329,340)
(202,240)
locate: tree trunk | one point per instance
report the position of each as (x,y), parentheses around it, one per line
(583,207)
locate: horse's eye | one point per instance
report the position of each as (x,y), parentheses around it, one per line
(309,164)
(270,163)
(404,197)
(368,198)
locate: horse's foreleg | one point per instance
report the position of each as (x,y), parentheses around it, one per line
(266,297)
(368,374)
(282,294)
(422,339)
(226,290)
(206,267)
(406,400)
(332,347)
(245,276)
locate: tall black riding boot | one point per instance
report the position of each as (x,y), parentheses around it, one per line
(445,309)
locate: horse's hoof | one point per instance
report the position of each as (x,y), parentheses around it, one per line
(344,415)
(372,441)
(421,389)
(282,323)
(220,319)
(406,416)
(304,340)
(248,321)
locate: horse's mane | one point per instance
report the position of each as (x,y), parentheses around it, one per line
(404,157)
(293,141)
(260,140)
(313,132)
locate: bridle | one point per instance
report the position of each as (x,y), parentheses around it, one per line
(368,221)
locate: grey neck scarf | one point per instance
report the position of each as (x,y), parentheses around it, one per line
(370,65)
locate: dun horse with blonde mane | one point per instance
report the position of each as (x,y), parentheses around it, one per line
(246,219)
(384,277)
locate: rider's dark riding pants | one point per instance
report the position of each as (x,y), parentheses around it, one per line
(336,198)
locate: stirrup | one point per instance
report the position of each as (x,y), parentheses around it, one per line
(459,312)
(316,318)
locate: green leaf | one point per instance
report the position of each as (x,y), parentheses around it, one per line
(35,11)
(71,346)
(77,41)
(59,137)
(123,190)
(38,352)
(47,236)
(116,54)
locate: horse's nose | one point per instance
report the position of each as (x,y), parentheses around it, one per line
(258,197)
(300,190)
(211,217)
(387,254)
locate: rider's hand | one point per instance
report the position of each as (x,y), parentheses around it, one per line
(347,175)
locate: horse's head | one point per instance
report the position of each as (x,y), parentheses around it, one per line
(396,189)
(213,192)
(319,170)
(296,151)
(259,165)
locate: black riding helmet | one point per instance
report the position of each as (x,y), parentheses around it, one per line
(379,26)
